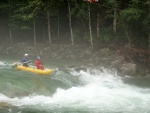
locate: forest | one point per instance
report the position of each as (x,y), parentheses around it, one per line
(121,22)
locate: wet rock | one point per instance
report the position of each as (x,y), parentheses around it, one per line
(77,68)
(117,62)
(128,69)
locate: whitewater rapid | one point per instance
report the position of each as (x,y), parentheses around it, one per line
(102,91)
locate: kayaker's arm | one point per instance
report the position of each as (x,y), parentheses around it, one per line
(26,62)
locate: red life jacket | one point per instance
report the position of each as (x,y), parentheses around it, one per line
(39,64)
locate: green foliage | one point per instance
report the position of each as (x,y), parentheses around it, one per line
(112,3)
(78,35)
(80,11)
(106,34)
(106,37)
(4,6)
(131,14)
(132,17)
(24,13)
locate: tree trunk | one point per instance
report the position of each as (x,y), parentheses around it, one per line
(34,33)
(115,21)
(58,22)
(91,38)
(10,35)
(10,31)
(128,34)
(149,26)
(49,33)
(149,35)
(44,33)
(72,40)
(98,24)
(58,32)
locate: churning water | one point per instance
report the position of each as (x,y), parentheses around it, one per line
(68,91)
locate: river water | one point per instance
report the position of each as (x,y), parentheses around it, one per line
(67,91)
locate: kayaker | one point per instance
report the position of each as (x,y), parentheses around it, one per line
(38,63)
(25,60)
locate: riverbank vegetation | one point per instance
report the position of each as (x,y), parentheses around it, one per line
(120,25)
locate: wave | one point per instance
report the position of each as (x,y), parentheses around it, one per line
(100,92)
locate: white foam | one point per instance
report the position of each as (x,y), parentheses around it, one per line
(103,92)
(2,63)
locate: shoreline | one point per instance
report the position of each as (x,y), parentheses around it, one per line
(106,56)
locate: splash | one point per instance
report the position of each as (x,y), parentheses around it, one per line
(101,91)
(2,63)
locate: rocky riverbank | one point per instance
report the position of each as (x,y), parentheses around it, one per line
(108,56)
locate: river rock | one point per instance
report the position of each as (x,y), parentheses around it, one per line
(128,69)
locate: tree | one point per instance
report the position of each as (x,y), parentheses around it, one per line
(115,17)
(128,17)
(72,39)
(149,25)
(90,29)
(26,14)
(49,28)
(8,6)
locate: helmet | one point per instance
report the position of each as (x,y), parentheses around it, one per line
(38,57)
(26,55)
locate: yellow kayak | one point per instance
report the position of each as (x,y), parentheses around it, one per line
(37,71)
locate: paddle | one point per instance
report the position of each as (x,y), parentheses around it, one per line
(15,64)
